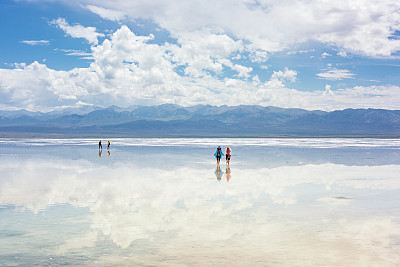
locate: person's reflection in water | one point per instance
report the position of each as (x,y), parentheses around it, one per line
(228,173)
(100,151)
(218,173)
(108,153)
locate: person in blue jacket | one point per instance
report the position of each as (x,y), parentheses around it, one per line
(218,154)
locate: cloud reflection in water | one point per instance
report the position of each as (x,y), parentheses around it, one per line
(288,214)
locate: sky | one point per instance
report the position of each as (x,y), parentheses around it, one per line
(314,54)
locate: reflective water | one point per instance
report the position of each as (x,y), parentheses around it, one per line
(146,202)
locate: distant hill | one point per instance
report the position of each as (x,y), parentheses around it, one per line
(201,121)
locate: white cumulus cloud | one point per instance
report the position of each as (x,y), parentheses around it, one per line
(360,26)
(287,74)
(336,74)
(342,53)
(130,69)
(78,31)
(325,54)
(108,14)
(328,90)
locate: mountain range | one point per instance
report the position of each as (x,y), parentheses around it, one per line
(200,121)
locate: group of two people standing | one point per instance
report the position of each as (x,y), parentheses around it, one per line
(218,154)
(101,146)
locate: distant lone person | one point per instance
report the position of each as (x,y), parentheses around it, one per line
(108,145)
(218,154)
(100,146)
(228,155)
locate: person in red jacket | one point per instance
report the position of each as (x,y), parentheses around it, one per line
(228,154)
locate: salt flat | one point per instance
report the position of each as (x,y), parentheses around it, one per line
(302,202)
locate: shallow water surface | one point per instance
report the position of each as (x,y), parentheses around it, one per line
(146,202)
